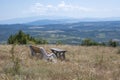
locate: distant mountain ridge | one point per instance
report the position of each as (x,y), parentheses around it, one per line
(48,21)
(31,19)
(43,20)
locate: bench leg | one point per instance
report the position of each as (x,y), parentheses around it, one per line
(32,52)
(63,56)
(56,55)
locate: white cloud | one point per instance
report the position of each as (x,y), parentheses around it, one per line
(62,4)
(60,9)
(38,8)
(49,6)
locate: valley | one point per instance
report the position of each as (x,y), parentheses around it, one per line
(67,33)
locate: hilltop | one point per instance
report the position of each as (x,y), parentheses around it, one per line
(83,63)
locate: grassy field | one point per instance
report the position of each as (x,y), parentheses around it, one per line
(82,63)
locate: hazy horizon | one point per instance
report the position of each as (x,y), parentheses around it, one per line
(11,9)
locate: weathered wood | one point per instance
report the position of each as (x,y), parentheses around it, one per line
(59,53)
(35,50)
(43,53)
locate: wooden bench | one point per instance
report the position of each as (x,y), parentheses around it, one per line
(35,50)
(43,53)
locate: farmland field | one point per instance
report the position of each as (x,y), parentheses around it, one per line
(68,33)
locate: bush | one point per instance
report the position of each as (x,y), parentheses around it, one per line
(86,42)
(89,42)
(22,38)
(59,42)
(113,43)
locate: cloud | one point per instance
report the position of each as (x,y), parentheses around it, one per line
(38,8)
(62,4)
(60,9)
(69,7)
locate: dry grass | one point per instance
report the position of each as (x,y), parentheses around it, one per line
(83,63)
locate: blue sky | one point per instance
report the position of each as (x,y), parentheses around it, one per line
(69,8)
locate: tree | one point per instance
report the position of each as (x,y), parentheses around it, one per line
(113,43)
(41,41)
(90,42)
(59,42)
(22,38)
(87,42)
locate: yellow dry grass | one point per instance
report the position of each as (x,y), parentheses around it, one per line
(82,63)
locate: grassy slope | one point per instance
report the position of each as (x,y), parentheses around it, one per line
(83,63)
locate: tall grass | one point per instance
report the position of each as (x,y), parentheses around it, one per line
(84,63)
(15,68)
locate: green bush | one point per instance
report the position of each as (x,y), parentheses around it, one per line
(22,38)
(59,42)
(89,42)
(113,43)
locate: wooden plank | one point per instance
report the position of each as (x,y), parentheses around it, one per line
(59,50)
(35,49)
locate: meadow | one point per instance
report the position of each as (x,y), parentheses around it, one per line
(82,63)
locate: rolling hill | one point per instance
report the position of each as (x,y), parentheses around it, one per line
(67,33)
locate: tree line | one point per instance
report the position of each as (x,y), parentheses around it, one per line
(90,42)
(23,38)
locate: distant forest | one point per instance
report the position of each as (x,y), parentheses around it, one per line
(23,38)
(69,33)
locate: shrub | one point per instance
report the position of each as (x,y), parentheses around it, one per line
(113,43)
(59,42)
(22,38)
(89,42)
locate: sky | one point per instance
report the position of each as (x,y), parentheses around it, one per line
(10,9)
